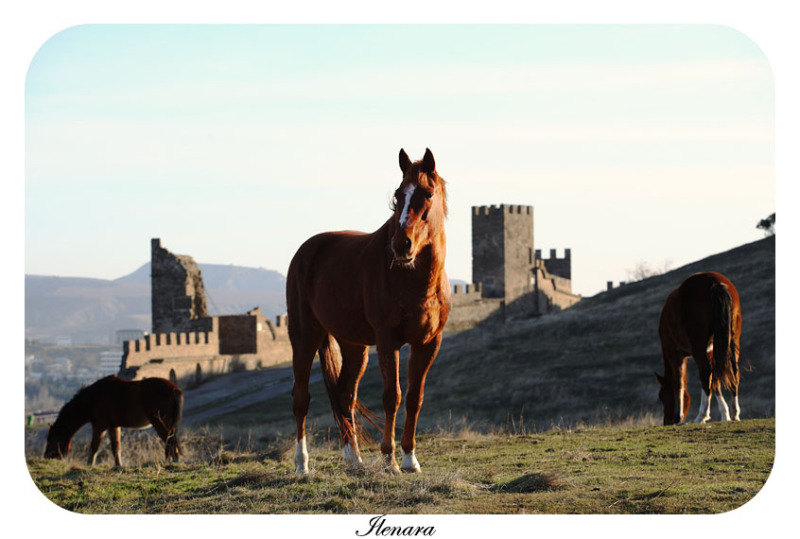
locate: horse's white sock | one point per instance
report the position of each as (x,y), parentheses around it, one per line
(409,463)
(704,413)
(351,454)
(737,412)
(301,456)
(725,414)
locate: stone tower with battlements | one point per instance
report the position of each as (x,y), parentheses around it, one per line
(502,250)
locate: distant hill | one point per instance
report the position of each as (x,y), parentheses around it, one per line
(91,310)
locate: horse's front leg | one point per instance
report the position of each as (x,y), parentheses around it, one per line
(422,357)
(388,359)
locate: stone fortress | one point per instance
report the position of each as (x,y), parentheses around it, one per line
(187,345)
(510,279)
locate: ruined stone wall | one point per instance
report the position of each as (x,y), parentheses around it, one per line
(177,292)
(249,341)
(557,266)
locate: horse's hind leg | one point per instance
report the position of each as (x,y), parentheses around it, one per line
(737,412)
(354,362)
(724,412)
(114,436)
(700,355)
(97,436)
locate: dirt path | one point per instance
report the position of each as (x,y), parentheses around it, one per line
(232,392)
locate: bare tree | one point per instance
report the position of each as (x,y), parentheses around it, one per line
(767,225)
(643,270)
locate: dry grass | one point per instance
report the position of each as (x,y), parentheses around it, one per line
(693,468)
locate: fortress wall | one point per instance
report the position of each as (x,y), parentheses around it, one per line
(467,315)
(170,345)
(465,294)
(273,342)
(558,266)
(554,292)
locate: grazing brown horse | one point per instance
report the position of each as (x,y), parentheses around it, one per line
(348,290)
(701,318)
(111,403)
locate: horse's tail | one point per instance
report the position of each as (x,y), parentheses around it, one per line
(173,444)
(724,369)
(330,360)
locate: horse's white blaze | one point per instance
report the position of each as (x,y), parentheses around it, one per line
(301,456)
(351,454)
(725,414)
(410,462)
(736,410)
(408,191)
(704,413)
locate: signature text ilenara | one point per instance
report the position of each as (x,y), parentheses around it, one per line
(378,527)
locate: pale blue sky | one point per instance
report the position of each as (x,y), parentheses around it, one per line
(235,143)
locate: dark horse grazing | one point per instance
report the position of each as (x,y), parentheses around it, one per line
(111,403)
(701,318)
(387,288)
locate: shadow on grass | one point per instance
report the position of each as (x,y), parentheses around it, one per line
(532,482)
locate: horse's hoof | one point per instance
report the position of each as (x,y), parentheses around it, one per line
(410,463)
(393,469)
(301,470)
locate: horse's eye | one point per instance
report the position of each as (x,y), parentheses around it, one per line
(428,194)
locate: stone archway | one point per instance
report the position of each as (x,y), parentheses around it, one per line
(172,377)
(198,374)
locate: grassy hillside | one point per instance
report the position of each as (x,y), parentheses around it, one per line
(686,469)
(591,363)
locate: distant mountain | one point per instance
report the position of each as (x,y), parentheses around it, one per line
(91,310)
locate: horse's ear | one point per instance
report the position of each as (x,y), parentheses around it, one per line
(428,164)
(405,162)
(659,378)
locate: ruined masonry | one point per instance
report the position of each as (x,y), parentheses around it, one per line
(510,278)
(187,345)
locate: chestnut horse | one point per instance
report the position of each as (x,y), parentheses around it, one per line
(348,290)
(111,403)
(701,318)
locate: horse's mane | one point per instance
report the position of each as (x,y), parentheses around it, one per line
(77,400)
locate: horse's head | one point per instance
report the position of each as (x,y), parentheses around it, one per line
(58,442)
(667,394)
(420,206)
